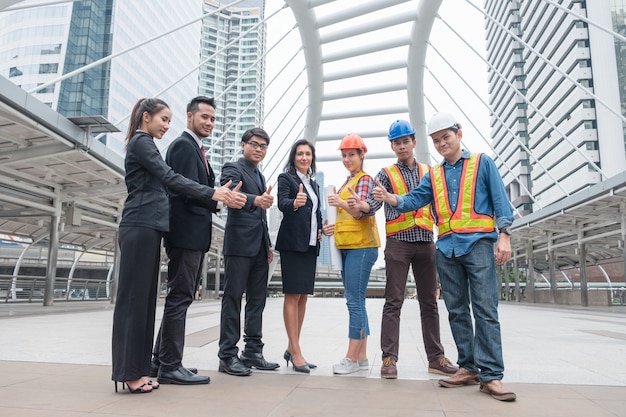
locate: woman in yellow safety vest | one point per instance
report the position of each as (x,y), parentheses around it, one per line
(356,235)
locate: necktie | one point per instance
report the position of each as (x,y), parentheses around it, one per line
(206,163)
(258,177)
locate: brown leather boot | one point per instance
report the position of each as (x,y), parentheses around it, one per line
(461,378)
(496,389)
(388,370)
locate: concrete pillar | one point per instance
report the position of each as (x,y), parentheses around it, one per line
(218,274)
(584,293)
(529,292)
(204,274)
(516,278)
(552,267)
(623,206)
(115,275)
(499,275)
(51,268)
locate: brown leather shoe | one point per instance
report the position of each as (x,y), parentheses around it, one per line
(442,366)
(389,370)
(461,378)
(496,389)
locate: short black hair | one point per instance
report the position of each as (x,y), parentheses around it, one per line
(255,131)
(193,105)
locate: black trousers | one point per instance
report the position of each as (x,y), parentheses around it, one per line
(183,273)
(249,274)
(135,306)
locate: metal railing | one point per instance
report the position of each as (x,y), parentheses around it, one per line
(30,289)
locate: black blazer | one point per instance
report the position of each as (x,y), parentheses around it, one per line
(246,228)
(295,229)
(147,176)
(190,218)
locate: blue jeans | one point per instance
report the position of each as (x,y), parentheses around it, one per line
(473,277)
(355,274)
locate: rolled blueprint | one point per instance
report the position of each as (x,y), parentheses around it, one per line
(331,215)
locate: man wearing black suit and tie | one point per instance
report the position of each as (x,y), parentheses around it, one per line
(247,254)
(186,243)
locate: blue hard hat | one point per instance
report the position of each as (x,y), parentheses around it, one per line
(400,128)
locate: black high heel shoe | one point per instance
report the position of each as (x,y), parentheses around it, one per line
(288,358)
(304,368)
(138,390)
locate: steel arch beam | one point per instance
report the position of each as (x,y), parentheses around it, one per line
(311,47)
(308,25)
(426,12)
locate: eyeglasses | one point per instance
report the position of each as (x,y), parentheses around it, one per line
(257,145)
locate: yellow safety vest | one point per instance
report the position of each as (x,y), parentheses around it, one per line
(351,233)
(464,219)
(406,221)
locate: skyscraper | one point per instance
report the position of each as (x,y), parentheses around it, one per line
(543,130)
(39,44)
(232,71)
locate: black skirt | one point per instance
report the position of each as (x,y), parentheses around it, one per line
(298,271)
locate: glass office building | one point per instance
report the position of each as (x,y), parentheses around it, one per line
(543,124)
(39,44)
(232,71)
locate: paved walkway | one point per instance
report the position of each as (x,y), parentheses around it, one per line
(55,361)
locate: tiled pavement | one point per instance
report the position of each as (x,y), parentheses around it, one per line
(55,361)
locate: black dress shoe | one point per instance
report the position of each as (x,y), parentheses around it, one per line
(181,376)
(257,361)
(233,366)
(154,369)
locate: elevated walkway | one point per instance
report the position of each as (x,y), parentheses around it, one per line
(55,361)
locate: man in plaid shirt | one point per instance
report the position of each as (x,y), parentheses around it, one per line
(409,243)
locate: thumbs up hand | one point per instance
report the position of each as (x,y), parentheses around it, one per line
(265,200)
(381,194)
(300,198)
(354,200)
(334,199)
(238,199)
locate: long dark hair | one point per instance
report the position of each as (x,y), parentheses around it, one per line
(150,105)
(290,166)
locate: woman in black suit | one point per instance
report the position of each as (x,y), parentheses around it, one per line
(298,242)
(144,220)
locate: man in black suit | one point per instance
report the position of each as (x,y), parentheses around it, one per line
(247,254)
(186,243)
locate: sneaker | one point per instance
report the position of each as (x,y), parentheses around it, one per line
(345,366)
(442,366)
(364,365)
(388,370)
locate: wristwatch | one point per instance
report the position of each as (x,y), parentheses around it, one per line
(506,230)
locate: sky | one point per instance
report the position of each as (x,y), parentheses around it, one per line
(286,100)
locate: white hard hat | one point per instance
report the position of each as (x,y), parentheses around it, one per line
(441,121)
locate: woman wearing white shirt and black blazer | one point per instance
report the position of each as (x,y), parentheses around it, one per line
(298,242)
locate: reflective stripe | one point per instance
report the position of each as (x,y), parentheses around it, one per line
(464,219)
(409,220)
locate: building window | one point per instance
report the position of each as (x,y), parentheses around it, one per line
(15,72)
(48,68)
(49,89)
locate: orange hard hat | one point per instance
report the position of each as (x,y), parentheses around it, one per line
(353,141)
